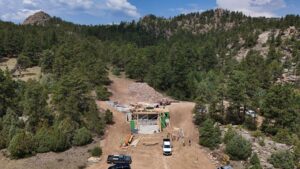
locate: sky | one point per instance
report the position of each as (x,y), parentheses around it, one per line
(113,11)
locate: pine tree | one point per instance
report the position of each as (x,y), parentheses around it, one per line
(210,135)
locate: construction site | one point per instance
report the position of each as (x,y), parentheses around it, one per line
(143,118)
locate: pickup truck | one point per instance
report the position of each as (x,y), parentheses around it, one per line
(119,159)
(167,147)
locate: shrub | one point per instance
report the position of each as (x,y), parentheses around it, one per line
(257,134)
(24,61)
(254,161)
(210,135)
(82,136)
(116,71)
(256,166)
(261,142)
(60,141)
(3,140)
(108,117)
(43,139)
(297,151)
(96,152)
(268,128)
(283,136)
(229,135)
(238,148)
(282,160)
(250,123)
(21,145)
(102,93)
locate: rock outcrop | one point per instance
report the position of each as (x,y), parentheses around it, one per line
(39,18)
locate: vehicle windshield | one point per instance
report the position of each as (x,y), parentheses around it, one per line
(167,146)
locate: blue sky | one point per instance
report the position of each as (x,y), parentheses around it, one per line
(114,11)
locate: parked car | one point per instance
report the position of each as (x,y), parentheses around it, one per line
(251,113)
(225,167)
(119,159)
(167,147)
(120,166)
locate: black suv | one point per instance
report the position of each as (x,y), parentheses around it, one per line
(120,166)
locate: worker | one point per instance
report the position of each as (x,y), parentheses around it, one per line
(190,142)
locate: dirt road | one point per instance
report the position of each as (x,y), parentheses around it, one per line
(151,157)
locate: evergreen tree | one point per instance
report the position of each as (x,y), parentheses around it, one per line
(7,92)
(238,148)
(35,105)
(210,135)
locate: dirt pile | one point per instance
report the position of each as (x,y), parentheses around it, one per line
(144,93)
(39,18)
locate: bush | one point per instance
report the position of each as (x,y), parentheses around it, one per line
(21,145)
(282,160)
(283,136)
(3,140)
(24,61)
(256,166)
(261,142)
(210,135)
(268,128)
(257,134)
(82,137)
(108,117)
(61,141)
(43,139)
(250,123)
(238,148)
(297,151)
(102,93)
(96,152)
(229,135)
(116,71)
(254,161)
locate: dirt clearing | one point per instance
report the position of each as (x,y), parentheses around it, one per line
(10,64)
(148,152)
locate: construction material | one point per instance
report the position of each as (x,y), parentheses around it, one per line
(135,142)
(128,139)
(144,93)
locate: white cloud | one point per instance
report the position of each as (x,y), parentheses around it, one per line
(254,8)
(189,9)
(18,15)
(123,5)
(17,10)
(29,2)
(86,4)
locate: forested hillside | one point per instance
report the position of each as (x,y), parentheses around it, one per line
(190,57)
